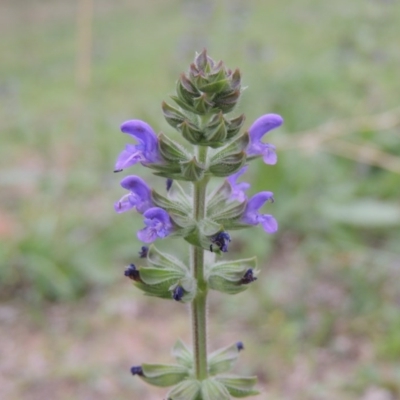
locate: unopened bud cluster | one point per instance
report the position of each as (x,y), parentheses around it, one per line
(215,146)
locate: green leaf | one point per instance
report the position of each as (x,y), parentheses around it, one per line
(185,90)
(226,276)
(189,285)
(154,276)
(163,375)
(228,165)
(176,193)
(202,104)
(201,60)
(187,86)
(183,354)
(183,104)
(239,386)
(171,150)
(214,390)
(160,290)
(232,269)
(218,73)
(234,126)
(217,200)
(179,208)
(164,260)
(172,115)
(190,132)
(234,147)
(220,284)
(223,359)
(208,227)
(235,79)
(217,134)
(192,170)
(196,238)
(188,389)
(215,87)
(167,169)
(229,215)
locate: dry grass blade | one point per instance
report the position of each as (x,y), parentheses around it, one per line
(312,139)
(326,138)
(364,153)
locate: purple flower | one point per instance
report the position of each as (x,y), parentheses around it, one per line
(260,127)
(251,215)
(238,189)
(158,225)
(139,196)
(145,151)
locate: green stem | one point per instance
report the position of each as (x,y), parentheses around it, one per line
(199,304)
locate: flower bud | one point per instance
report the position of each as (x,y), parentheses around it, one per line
(137,370)
(239,346)
(178,293)
(132,273)
(172,115)
(143,252)
(216,131)
(228,165)
(248,277)
(208,88)
(168,184)
(202,105)
(226,102)
(234,125)
(190,132)
(171,151)
(192,170)
(221,240)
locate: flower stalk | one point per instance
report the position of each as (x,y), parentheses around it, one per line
(215,149)
(199,304)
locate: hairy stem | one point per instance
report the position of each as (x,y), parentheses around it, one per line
(199,304)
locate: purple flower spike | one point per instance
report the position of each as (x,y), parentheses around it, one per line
(139,196)
(251,215)
(145,151)
(260,127)
(238,189)
(158,225)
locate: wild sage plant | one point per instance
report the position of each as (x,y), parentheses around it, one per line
(202,217)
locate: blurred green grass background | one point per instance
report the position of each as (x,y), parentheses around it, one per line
(323,320)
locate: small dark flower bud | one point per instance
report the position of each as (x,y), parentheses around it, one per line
(143,252)
(240,346)
(169,184)
(248,277)
(137,370)
(118,170)
(178,293)
(220,240)
(132,273)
